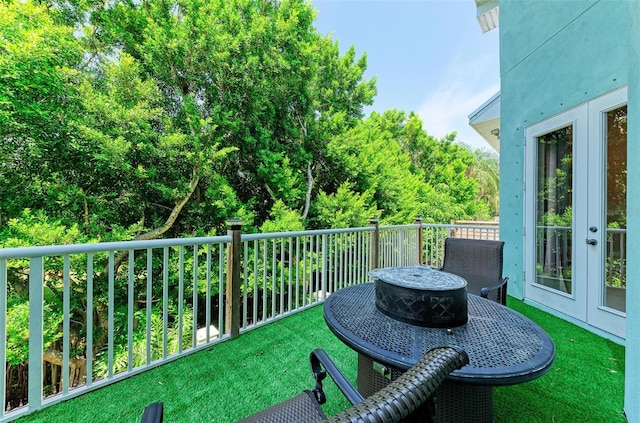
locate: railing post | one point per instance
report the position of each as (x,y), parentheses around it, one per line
(36,318)
(375,243)
(232,304)
(420,240)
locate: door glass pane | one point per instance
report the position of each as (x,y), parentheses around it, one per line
(616,209)
(553,218)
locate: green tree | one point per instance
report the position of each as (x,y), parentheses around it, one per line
(372,162)
(145,168)
(253,76)
(344,208)
(486,171)
(38,101)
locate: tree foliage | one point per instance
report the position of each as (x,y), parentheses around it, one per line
(39,63)
(389,158)
(148,119)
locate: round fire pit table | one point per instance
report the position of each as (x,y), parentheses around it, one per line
(504,348)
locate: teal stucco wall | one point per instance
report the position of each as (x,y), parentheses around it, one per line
(632,358)
(553,56)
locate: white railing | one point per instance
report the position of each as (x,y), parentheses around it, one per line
(434,235)
(98,313)
(291,271)
(616,258)
(554,260)
(101,312)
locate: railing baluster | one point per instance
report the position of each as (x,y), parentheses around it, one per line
(110,317)
(36,315)
(290,294)
(264,279)
(313,280)
(324,267)
(338,264)
(165,301)
(352,275)
(89,346)
(66,308)
(180,295)
(298,261)
(364,242)
(207,306)
(149,297)
(194,329)
(245,284)
(274,277)
(318,266)
(304,270)
(221,285)
(623,258)
(130,293)
(282,283)
(256,247)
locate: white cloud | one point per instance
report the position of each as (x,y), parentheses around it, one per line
(461,92)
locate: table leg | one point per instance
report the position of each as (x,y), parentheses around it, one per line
(456,402)
(464,402)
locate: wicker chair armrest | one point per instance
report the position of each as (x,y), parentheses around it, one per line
(484,292)
(321,364)
(413,388)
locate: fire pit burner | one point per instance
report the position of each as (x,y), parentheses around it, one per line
(421,296)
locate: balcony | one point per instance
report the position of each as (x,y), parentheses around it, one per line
(161,311)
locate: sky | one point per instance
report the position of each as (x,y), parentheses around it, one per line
(429,56)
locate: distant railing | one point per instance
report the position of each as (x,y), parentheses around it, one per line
(616,258)
(434,235)
(554,258)
(98,313)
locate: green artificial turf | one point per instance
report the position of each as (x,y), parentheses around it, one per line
(585,384)
(236,378)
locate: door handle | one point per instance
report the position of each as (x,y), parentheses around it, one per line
(592,241)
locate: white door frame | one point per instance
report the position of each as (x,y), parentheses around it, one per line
(586,300)
(598,314)
(570,304)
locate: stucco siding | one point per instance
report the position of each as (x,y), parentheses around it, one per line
(554,56)
(632,362)
(532,24)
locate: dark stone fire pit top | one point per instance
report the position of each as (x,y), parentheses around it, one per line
(420,295)
(418,277)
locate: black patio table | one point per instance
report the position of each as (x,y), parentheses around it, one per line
(504,348)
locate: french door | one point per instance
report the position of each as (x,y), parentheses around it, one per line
(575,212)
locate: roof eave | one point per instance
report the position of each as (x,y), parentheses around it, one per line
(488,14)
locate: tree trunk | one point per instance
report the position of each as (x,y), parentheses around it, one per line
(307,201)
(175,212)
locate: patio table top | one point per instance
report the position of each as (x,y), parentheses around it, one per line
(504,347)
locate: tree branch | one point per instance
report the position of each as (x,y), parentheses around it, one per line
(307,201)
(195,179)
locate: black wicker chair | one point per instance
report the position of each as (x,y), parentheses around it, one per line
(479,262)
(411,396)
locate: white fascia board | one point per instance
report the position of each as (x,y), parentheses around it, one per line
(486,120)
(490,109)
(488,14)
